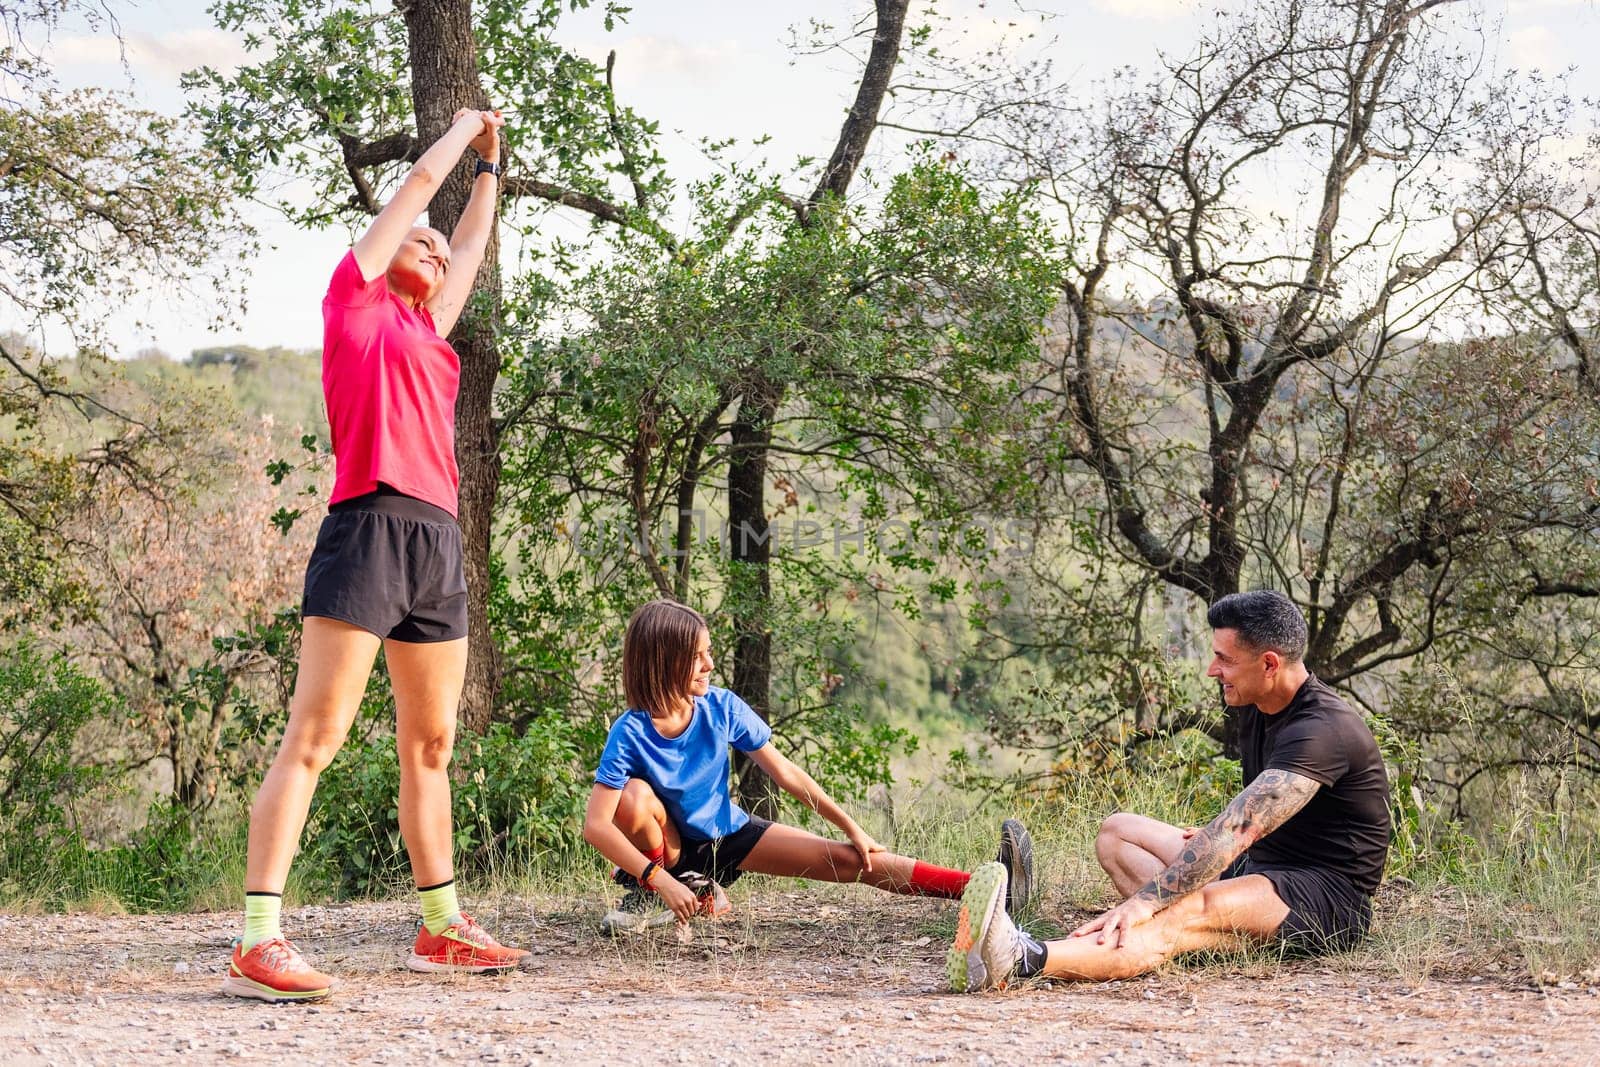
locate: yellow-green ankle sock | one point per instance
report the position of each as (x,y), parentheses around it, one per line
(439,907)
(261,911)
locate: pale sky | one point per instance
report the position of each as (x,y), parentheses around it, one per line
(702,68)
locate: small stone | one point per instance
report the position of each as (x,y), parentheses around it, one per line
(181,967)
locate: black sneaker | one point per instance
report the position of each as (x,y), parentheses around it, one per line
(1016,856)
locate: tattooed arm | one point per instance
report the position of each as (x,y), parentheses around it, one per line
(1264,805)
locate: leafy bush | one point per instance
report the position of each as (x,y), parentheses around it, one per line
(44,703)
(518,800)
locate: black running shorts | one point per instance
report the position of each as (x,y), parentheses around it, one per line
(719,859)
(391,564)
(1326,912)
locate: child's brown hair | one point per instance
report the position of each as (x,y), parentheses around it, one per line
(658,652)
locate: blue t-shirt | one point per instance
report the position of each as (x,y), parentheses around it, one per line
(688,772)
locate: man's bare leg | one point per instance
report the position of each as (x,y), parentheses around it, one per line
(1224,915)
(1133,849)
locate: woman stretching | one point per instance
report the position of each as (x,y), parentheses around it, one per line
(661,810)
(387,567)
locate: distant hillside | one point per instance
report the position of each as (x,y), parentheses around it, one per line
(281,382)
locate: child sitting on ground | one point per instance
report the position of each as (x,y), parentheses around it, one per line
(661,809)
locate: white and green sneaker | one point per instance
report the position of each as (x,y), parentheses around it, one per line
(985,950)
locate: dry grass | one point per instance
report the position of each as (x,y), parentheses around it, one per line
(1521,903)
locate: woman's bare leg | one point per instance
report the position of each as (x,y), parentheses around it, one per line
(427,679)
(335,660)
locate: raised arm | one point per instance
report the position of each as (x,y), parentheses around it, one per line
(378,245)
(472,230)
(1263,806)
(800,785)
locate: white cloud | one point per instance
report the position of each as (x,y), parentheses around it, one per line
(1525,7)
(647,58)
(163,56)
(1147,9)
(1535,47)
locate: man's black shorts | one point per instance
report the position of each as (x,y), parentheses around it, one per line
(391,564)
(719,859)
(1326,912)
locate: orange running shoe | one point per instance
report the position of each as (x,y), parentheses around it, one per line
(462,946)
(713,901)
(274,971)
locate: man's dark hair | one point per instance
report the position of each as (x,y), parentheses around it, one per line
(1264,619)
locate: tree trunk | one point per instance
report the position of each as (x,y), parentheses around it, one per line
(750,549)
(445,78)
(477,451)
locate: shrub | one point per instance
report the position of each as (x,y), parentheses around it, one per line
(44,703)
(518,801)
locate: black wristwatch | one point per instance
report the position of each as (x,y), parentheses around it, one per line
(485,167)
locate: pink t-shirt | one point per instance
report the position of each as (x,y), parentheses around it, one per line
(390,383)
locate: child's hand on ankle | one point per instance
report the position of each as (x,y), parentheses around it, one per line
(866,846)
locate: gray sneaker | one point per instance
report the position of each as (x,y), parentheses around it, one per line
(1016,856)
(640,912)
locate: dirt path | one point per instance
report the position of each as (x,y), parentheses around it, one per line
(836,976)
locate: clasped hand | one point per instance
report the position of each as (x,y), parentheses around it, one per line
(487,141)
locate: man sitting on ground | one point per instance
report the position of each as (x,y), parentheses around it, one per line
(1294,858)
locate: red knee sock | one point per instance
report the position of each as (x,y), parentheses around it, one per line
(930,881)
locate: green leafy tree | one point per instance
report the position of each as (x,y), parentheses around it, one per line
(1290,354)
(97,197)
(901,325)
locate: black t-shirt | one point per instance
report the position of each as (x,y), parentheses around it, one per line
(1345,826)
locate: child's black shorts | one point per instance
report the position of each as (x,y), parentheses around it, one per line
(719,859)
(391,564)
(1327,913)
